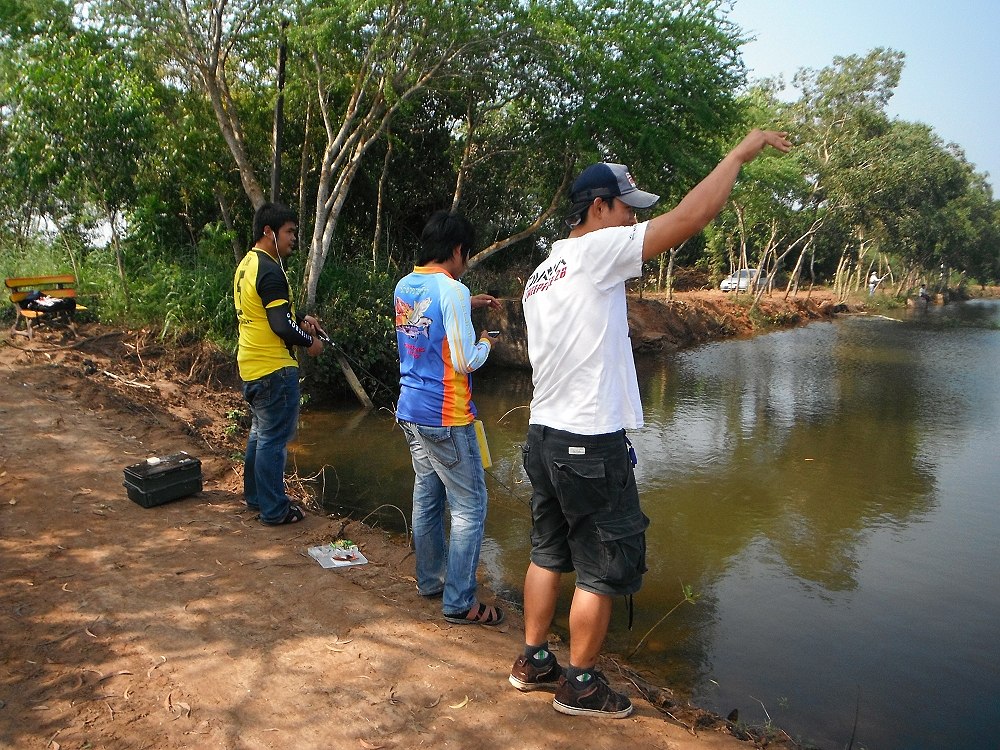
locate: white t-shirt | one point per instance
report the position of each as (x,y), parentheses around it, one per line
(578,342)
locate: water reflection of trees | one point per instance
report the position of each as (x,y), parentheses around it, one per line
(793,447)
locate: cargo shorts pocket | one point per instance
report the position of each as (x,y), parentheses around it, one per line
(623,541)
(582,486)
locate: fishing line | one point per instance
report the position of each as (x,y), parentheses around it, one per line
(516,496)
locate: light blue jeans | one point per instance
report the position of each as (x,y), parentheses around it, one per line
(274,404)
(448,470)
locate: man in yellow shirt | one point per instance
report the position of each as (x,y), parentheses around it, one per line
(269,331)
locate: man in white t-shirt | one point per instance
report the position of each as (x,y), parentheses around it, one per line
(585,508)
(873,281)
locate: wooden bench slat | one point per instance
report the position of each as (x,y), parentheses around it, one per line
(61,293)
(34,282)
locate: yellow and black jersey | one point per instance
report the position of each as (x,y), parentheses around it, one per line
(268,327)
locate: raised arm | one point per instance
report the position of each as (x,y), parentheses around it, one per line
(707,198)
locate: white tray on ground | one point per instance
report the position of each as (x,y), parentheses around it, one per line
(326,555)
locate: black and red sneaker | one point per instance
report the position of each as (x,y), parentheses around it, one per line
(525,676)
(596,698)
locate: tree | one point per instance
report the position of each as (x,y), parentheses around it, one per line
(78,126)
(644,82)
(770,213)
(206,44)
(839,120)
(975,243)
(369,62)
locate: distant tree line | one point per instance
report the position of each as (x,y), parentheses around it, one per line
(138,136)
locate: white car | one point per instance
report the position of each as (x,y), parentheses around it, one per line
(741,281)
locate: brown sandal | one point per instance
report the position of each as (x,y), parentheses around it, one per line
(478,614)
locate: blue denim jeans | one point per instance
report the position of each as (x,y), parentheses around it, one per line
(274,405)
(448,469)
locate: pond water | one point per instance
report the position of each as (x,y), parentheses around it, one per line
(829,493)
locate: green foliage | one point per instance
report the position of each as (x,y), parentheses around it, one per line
(183,292)
(883,302)
(180,292)
(763,321)
(77,127)
(355,308)
(237,422)
(36,257)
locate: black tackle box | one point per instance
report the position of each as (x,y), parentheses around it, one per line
(159,480)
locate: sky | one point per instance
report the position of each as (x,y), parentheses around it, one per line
(951,77)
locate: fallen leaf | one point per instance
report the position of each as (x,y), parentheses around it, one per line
(102,678)
(150,671)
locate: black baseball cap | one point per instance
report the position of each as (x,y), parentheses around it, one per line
(607,180)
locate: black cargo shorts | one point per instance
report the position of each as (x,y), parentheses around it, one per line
(585,513)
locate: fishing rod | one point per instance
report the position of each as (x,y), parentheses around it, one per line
(341,353)
(322,336)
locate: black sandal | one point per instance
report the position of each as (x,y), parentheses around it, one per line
(293,515)
(489,615)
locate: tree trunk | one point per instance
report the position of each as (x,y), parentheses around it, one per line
(278,135)
(379,204)
(228,218)
(793,280)
(463,167)
(232,131)
(303,174)
(841,280)
(328,206)
(496,247)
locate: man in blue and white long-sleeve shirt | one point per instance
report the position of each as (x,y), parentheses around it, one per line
(438,351)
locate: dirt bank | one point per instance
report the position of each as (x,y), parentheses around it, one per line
(190,625)
(660,324)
